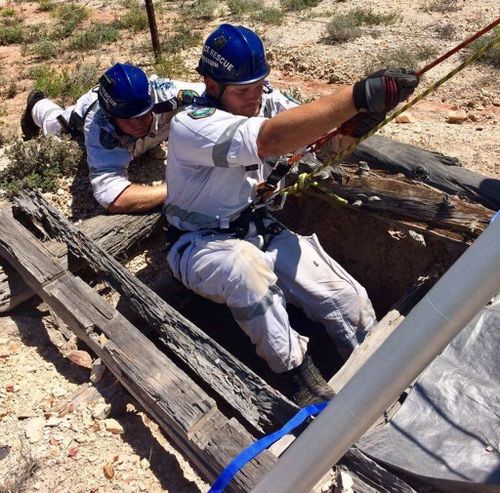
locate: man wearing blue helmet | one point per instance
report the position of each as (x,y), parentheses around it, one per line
(126,115)
(221,148)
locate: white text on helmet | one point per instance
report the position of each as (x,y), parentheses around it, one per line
(217,57)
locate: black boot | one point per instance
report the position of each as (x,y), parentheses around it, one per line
(28,126)
(309,387)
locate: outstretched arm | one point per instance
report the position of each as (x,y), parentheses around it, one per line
(138,198)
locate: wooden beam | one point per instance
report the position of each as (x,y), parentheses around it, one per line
(249,395)
(116,234)
(185,412)
(435,169)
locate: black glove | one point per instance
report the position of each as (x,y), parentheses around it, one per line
(361,123)
(384,90)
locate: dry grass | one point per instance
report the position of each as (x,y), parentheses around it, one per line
(24,469)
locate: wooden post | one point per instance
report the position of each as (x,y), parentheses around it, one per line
(153,29)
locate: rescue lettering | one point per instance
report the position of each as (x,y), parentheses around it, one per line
(216,58)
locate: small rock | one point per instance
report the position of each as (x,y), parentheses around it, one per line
(405,118)
(60,191)
(113,426)
(144,463)
(34,429)
(101,411)
(456,117)
(455,107)
(473,117)
(73,452)
(80,358)
(9,387)
(54,421)
(26,413)
(496,102)
(97,370)
(109,471)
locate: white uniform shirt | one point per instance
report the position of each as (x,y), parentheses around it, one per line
(109,152)
(213,166)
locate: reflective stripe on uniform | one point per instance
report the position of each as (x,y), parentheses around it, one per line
(221,147)
(246,313)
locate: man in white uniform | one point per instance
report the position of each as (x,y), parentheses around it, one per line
(220,149)
(126,115)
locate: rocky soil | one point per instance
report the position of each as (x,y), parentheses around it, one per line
(59,435)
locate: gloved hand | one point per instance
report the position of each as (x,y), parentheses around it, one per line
(360,124)
(384,90)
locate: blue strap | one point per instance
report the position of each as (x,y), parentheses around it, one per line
(263,443)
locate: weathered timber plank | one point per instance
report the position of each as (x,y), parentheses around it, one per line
(403,198)
(179,406)
(256,402)
(116,234)
(433,168)
(369,477)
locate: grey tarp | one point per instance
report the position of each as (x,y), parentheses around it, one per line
(448,428)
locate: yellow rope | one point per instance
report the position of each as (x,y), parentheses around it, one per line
(305,180)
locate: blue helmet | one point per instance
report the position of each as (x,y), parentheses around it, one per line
(233,55)
(124,91)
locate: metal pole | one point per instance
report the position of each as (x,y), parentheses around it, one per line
(153,29)
(463,290)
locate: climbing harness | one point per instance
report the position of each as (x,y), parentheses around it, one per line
(267,193)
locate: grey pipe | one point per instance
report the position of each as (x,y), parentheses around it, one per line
(462,291)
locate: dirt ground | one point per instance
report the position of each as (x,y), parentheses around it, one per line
(47,448)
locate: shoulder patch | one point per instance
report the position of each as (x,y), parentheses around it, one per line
(201,113)
(186,96)
(108,140)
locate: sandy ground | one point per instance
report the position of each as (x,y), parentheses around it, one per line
(81,450)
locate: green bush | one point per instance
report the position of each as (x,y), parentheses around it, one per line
(492,56)
(171,66)
(40,164)
(134,19)
(95,36)
(46,5)
(201,9)
(43,49)
(446,31)
(11,31)
(403,56)
(271,15)
(299,4)
(368,17)
(184,38)
(442,6)
(241,7)
(341,28)
(69,17)
(8,12)
(67,84)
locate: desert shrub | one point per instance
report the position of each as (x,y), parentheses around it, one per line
(8,12)
(43,49)
(135,17)
(492,56)
(69,16)
(40,164)
(341,28)
(445,31)
(184,38)
(295,5)
(46,5)
(367,16)
(11,31)
(240,7)
(67,84)
(11,90)
(442,6)
(20,469)
(403,56)
(171,66)
(201,9)
(93,37)
(271,15)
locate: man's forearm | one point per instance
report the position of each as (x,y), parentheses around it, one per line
(139,198)
(297,127)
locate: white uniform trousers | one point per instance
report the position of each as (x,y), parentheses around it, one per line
(45,113)
(256,285)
